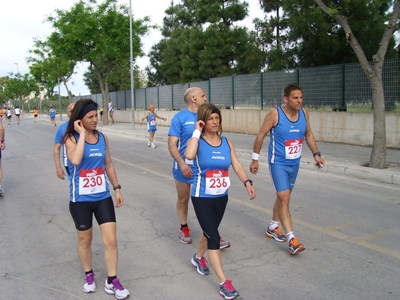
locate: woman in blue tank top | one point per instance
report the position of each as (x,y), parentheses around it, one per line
(214,155)
(89,161)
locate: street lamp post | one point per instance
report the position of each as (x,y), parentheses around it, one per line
(40,102)
(59,96)
(17,74)
(131,63)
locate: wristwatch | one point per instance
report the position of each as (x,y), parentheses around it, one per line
(316,153)
(117,187)
(248,180)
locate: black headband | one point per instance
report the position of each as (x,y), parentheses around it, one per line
(215,111)
(88,107)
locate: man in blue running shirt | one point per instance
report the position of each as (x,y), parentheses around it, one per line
(289,127)
(182,126)
(52,114)
(58,143)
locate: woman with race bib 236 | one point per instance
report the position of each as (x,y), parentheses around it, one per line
(214,154)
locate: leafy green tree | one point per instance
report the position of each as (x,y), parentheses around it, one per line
(201,40)
(99,35)
(297,34)
(119,80)
(49,69)
(165,55)
(272,36)
(341,15)
(3,82)
(153,71)
(18,88)
(321,41)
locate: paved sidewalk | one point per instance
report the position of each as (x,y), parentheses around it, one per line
(341,159)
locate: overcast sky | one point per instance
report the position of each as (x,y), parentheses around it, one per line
(21,22)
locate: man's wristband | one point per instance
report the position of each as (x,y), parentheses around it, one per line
(316,153)
(196,134)
(255,156)
(117,187)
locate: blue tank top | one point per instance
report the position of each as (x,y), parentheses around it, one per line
(151,121)
(58,138)
(88,182)
(287,139)
(212,177)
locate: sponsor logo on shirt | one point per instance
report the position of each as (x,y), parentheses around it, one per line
(220,157)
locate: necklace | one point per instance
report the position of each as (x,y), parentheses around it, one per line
(215,142)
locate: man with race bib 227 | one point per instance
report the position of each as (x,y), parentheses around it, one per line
(288,126)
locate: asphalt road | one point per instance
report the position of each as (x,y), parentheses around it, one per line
(348,226)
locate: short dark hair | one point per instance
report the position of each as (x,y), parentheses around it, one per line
(291,87)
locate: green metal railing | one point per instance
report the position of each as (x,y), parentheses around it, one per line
(335,87)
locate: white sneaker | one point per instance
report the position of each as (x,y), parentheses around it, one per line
(148,144)
(90,285)
(152,145)
(117,289)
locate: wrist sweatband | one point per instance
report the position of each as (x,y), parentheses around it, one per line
(196,134)
(255,156)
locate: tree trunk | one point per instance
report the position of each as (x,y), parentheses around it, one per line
(104,91)
(378,154)
(68,90)
(69,96)
(374,74)
(105,107)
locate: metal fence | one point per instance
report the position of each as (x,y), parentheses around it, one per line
(336,87)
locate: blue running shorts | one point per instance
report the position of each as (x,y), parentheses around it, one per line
(283,176)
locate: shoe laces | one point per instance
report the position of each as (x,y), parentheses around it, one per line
(228,285)
(203,262)
(117,284)
(294,241)
(185,231)
(90,278)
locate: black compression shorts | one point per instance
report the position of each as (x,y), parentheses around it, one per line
(82,213)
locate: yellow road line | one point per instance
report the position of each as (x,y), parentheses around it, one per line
(339,226)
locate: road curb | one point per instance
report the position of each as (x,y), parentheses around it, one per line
(348,170)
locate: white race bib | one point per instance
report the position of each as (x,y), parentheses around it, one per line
(293,148)
(92,181)
(152,122)
(217,182)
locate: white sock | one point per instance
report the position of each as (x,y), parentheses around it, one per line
(273,225)
(289,235)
